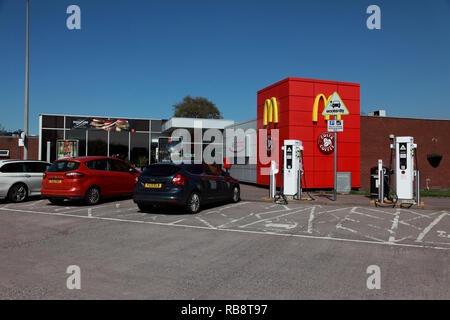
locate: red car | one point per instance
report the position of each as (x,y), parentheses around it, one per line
(88,178)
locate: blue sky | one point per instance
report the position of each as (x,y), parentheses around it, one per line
(137,58)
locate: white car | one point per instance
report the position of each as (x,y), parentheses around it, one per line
(20,179)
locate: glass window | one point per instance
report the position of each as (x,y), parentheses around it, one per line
(36,167)
(13,167)
(160,170)
(139,149)
(118,145)
(117,165)
(194,168)
(52,121)
(99,165)
(142,125)
(156,125)
(97,143)
(52,136)
(211,169)
(79,135)
(63,166)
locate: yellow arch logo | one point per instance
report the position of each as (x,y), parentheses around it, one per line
(270,111)
(315,113)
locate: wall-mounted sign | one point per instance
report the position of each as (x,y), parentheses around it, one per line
(326,142)
(335,106)
(103,124)
(270,111)
(332,106)
(66,149)
(4,153)
(335,125)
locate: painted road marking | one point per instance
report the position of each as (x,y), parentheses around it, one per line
(272,218)
(430,226)
(394,226)
(310,220)
(264,233)
(206,222)
(281,225)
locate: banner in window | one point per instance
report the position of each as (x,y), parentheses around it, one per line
(103,124)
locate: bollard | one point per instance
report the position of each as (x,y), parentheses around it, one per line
(49,146)
(272,179)
(298,195)
(380,181)
(418,187)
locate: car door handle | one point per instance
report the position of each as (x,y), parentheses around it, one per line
(27,176)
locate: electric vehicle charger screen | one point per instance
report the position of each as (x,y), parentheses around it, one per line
(289,157)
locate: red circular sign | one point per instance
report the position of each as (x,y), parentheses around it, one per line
(326,142)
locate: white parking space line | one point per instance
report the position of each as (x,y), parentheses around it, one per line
(394,226)
(310,220)
(226,207)
(31,204)
(365,214)
(63,208)
(256,232)
(430,226)
(259,214)
(420,216)
(174,222)
(205,222)
(235,220)
(272,218)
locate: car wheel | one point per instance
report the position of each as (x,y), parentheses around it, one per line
(92,196)
(236,195)
(56,200)
(18,193)
(144,207)
(193,203)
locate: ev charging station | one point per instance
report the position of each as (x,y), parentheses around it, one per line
(406,175)
(404,167)
(292,168)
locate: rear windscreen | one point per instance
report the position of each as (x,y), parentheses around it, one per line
(63,166)
(160,170)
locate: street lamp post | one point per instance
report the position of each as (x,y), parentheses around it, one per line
(25,142)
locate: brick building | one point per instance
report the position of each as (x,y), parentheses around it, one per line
(11,144)
(429,135)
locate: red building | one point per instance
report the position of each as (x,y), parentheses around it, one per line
(293,116)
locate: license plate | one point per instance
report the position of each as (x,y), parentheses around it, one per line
(153,185)
(55,181)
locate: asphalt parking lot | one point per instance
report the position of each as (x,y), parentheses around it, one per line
(248,250)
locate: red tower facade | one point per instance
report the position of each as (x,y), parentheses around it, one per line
(292,113)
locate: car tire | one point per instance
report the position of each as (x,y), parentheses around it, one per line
(235,194)
(18,193)
(144,207)
(193,203)
(56,201)
(92,196)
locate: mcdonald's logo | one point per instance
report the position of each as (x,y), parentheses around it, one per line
(270,111)
(315,113)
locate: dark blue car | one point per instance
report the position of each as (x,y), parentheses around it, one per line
(187,185)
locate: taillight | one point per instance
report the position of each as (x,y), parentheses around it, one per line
(74,175)
(45,175)
(179,180)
